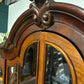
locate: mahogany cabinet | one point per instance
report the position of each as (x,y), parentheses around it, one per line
(45,46)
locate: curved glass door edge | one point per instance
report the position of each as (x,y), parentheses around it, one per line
(57,69)
(29,65)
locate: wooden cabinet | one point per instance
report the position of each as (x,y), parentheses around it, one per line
(46,46)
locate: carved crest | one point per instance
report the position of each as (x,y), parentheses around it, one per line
(43,15)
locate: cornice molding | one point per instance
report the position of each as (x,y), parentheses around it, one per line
(43,18)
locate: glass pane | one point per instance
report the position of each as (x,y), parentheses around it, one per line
(57,69)
(0,55)
(12,75)
(1,76)
(29,68)
(0,72)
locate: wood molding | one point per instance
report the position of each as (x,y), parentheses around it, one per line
(44,18)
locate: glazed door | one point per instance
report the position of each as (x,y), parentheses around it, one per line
(55,66)
(46,60)
(29,57)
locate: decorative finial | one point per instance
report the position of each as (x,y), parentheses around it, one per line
(41,8)
(39,3)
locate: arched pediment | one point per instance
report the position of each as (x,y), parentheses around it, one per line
(50,17)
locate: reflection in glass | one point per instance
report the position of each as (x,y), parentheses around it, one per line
(1,76)
(57,69)
(0,55)
(12,75)
(29,68)
(0,72)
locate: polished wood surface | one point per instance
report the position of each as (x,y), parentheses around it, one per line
(60,25)
(73,59)
(2,66)
(41,72)
(63,22)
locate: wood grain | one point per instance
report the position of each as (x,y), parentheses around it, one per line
(60,25)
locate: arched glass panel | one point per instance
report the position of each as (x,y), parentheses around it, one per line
(57,69)
(29,68)
(12,75)
(1,76)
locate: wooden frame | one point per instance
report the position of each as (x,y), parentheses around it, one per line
(33,64)
(55,23)
(2,66)
(28,41)
(58,40)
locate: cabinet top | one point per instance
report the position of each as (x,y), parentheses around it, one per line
(39,3)
(44,18)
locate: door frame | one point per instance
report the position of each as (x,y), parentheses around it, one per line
(57,42)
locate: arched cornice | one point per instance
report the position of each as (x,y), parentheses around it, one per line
(69,9)
(43,18)
(35,16)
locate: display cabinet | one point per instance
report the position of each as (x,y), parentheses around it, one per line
(45,46)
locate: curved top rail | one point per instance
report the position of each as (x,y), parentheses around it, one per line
(68,8)
(63,7)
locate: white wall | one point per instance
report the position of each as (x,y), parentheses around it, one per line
(79,3)
(7,2)
(15,10)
